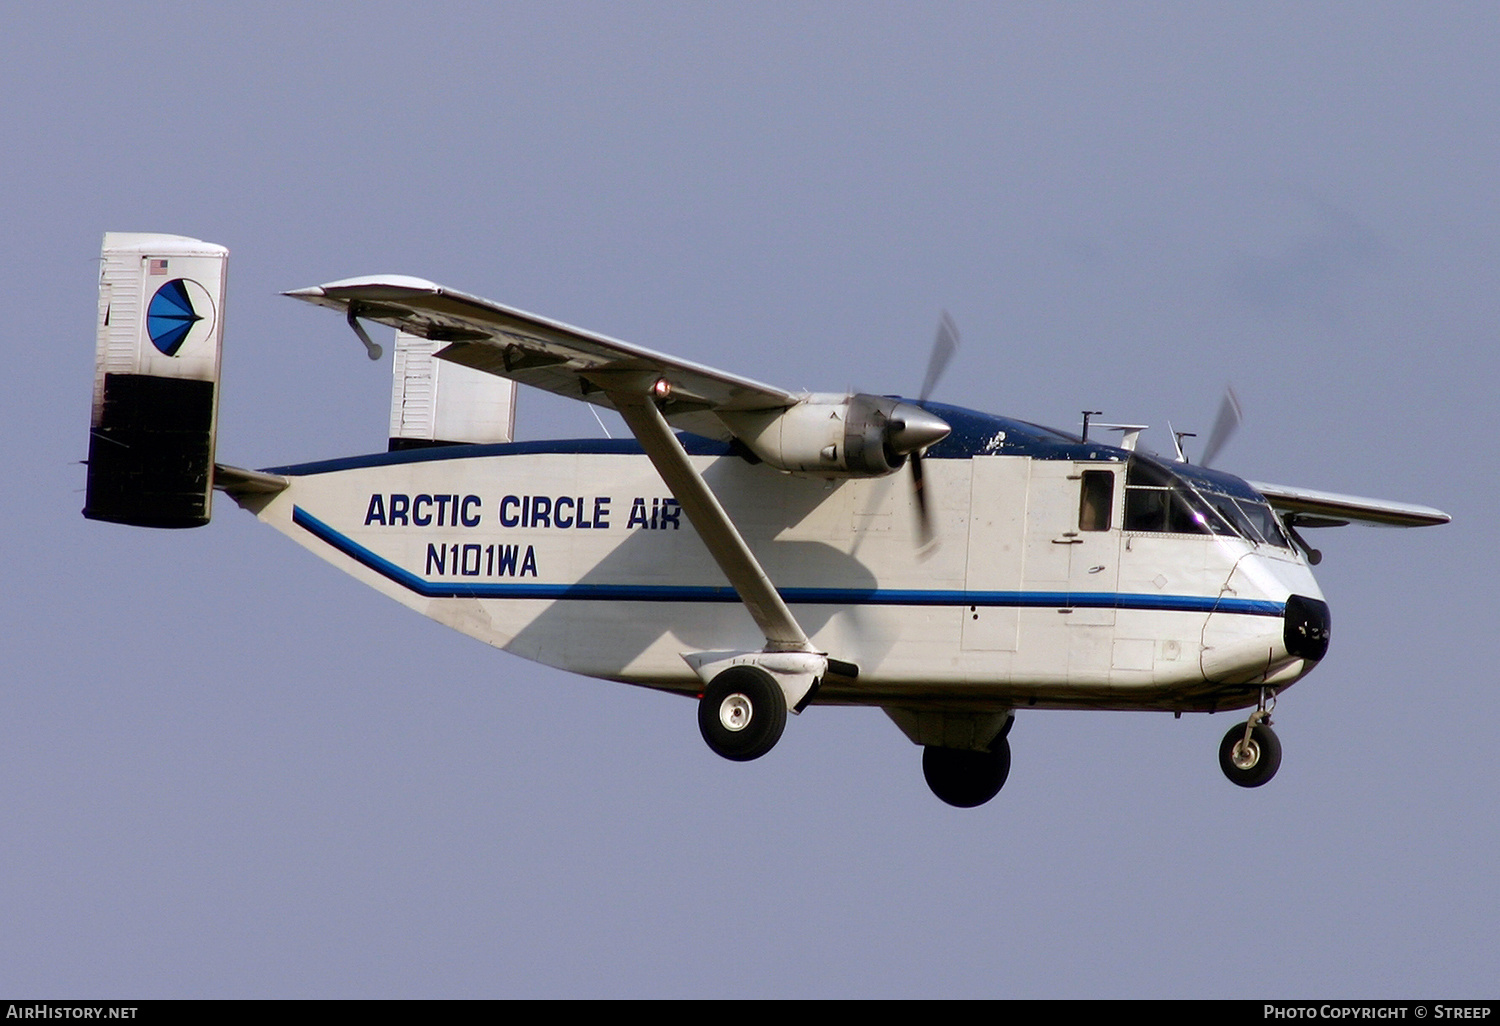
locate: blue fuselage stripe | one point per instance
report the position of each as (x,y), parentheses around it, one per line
(793,596)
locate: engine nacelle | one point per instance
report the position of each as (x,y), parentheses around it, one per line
(837,435)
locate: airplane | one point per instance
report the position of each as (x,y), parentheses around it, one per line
(759,550)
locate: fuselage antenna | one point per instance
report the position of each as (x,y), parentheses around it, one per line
(1086,415)
(1177,437)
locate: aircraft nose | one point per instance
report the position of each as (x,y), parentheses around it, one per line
(1306,627)
(912,428)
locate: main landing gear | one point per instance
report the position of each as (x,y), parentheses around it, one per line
(742,713)
(1250,753)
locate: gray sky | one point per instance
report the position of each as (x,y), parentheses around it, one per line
(227,769)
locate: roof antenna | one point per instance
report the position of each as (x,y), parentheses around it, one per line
(1177,437)
(1086,415)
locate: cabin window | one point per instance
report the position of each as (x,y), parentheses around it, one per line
(1096,500)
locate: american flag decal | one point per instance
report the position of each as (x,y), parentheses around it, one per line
(158,267)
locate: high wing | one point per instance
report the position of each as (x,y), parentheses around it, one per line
(648,389)
(543,353)
(1308,508)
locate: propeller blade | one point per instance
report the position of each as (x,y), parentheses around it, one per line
(944,345)
(914,429)
(1224,426)
(925,534)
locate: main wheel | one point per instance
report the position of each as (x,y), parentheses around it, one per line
(966,778)
(1253,762)
(742,713)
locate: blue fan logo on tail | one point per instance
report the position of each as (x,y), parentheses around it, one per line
(173,314)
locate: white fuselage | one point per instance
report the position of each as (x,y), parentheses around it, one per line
(582,560)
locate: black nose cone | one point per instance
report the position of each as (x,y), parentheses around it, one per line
(1307,625)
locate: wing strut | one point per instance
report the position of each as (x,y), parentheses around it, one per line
(632,393)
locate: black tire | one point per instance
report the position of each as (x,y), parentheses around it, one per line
(1255,765)
(742,713)
(966,778)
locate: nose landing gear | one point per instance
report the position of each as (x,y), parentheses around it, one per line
(1250,753)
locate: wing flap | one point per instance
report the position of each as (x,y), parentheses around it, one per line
(1327,509)
(540,352)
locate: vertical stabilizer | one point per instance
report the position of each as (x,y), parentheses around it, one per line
(156,379)
(436,402)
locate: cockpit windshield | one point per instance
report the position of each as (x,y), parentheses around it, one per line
(1157,500)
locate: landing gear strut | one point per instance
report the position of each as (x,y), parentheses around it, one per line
(966,778)
(1250,753)
(742,713)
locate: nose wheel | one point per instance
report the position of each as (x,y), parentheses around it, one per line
(1250,753)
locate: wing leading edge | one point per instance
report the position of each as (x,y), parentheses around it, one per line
(540,352)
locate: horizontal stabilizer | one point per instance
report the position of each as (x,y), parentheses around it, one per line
(1309,508)
(236,481)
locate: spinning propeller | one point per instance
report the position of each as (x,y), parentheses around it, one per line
(1225,425)
(944,345)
